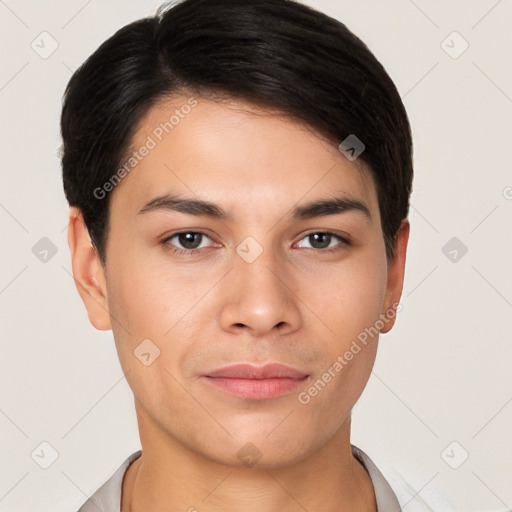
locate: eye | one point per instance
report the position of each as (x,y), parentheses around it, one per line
(322,241)
(191,241)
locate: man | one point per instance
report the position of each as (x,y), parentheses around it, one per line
(239,178)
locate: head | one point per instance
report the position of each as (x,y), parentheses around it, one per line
(217,214)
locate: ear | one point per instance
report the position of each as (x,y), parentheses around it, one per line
(396,269)
(88,271)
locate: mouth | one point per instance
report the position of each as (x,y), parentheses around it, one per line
(256,382)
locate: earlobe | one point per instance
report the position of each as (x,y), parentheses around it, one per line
(88,272)
(396,270)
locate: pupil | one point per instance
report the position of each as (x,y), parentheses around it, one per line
(317,236)
(186,239)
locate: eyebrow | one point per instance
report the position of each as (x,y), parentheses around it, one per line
(313,209)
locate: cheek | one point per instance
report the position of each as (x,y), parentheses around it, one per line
(151,299)
(151,310)
(350,306)
(348,297)
(160,302)
(360,304)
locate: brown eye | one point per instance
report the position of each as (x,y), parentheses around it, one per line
(186,242)
(325,241)
(190,240)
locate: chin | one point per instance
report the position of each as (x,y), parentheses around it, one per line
(259,451)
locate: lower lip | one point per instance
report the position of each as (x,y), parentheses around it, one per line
(255,389)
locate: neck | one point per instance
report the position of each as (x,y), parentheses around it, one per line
(168,476)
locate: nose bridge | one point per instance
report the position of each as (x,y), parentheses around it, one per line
(261,296)
(256,269)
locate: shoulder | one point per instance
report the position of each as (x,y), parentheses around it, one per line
(108,497)
(415,491)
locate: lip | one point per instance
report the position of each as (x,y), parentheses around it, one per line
(256,382)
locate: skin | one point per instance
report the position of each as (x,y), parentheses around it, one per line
(295,304)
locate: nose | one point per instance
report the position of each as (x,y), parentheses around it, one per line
(259,297)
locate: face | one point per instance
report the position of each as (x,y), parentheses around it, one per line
(219,255)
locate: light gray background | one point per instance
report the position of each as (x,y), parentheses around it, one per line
(443,374)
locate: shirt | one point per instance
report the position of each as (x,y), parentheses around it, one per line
(108,497)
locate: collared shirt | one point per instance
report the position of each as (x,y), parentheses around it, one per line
(108,497)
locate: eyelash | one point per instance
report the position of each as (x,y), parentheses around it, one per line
(191,252)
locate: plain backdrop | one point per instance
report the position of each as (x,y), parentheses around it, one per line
(436,414)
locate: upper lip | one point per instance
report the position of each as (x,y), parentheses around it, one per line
(248,371)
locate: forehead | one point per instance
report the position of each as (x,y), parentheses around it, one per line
(235,154)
